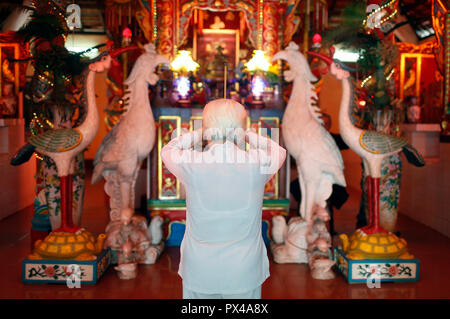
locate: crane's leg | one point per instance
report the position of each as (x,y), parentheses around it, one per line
(310,195)
(133,184)
(369,200)
(301,181)
(374,227)
(66,206)
(368,181)
(126,170)
(125,193)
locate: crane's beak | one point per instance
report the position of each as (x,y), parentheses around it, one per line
(324,58)
(329,61)
(281,55)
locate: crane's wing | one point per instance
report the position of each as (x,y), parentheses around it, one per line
(57,141)
(320,145)
(114,146)
(379,143)
(332,148)
(107,144)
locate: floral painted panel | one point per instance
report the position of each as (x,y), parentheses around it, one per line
(384,270)
(55,272)
(391,173)
(47,179)
(391,170)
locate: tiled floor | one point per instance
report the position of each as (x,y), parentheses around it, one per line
(161,280)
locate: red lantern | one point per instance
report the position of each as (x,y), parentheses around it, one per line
(126,36)
(317,38)
(127,33)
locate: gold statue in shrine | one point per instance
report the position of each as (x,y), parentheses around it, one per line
(218,24)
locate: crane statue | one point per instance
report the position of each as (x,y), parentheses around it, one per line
(372,146)
(120,155)
(62,145)
(371,241)
(69,241)
(319,162)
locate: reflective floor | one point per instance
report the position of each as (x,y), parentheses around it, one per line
(162,281)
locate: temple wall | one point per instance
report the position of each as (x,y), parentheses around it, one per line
(17,183)
(425,192)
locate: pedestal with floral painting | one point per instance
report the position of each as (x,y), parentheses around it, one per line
(373,271)
(47,182)
(391,173)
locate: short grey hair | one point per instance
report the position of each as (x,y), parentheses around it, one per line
(223,116)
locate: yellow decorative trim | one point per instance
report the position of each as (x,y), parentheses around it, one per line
(178,121)
(191,121)
(249,122)
(424,48)
(155,208)
(61,150)
(418,57)
(275,208)
(277,120)
(15,46)
(363,146)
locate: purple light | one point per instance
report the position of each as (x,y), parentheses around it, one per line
(257,86)
(183,86)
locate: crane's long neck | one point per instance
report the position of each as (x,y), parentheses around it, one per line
(139,101)
(346,126)
(90,125)
(297,107)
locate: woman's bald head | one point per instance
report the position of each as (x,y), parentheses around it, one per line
(223,114)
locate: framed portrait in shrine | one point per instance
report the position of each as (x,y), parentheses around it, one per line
(213,48)
(420,76)
(9,81)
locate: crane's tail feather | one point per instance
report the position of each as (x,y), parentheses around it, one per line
(413,156)
(97,174)
(324,190)
(23,155)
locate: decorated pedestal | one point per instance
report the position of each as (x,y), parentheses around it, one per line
(63,271)
(369,270)
(376,257)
